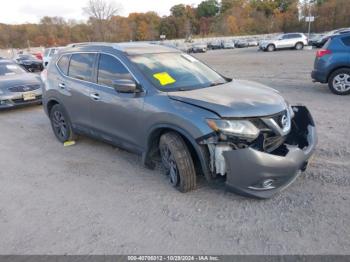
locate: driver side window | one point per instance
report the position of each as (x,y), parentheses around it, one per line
(111,69)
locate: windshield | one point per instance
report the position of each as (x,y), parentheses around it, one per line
(176,71)
(10,69)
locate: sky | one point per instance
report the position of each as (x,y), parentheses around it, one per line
(22,11)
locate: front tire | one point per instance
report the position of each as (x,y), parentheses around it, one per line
(339,82)
(178,162)
(271,48)
(299,46)
(60,124)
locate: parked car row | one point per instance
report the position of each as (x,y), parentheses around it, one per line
(321,39)
(203,47)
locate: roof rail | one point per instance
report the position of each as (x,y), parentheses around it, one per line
(85,44)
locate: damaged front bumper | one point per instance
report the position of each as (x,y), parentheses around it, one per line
(258,174)
(253,172)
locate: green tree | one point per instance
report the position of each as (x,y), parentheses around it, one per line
(208,8)
(178,10)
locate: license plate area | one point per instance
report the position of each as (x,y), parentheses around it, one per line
(28,96)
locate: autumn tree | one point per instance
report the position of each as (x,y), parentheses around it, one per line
(100,12)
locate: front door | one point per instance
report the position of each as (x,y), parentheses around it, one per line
(116,116)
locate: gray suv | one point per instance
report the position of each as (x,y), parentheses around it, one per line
(171,108)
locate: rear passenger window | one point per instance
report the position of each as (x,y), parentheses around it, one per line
(81,66)
(63,64)
(346,40)
(110,69)
(292,36)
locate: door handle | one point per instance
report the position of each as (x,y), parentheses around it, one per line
(95,96)
(62,85)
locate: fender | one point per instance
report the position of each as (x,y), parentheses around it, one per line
(48,99)
(200,152)
(54,98)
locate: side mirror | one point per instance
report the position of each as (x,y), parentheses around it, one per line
(125,86)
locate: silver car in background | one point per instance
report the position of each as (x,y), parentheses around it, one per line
(285,41)
(17,86)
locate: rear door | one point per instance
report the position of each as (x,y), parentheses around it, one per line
(75,88)
(289,41)
(346,49)
(116,116)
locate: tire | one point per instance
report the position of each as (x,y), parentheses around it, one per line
(299,46)
(60,124)
(339,81)
(271,48)
(178,162)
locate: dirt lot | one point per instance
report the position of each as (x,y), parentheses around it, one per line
(92,198)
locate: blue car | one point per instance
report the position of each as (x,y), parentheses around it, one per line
(332,64)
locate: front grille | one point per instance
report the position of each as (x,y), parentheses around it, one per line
(269,139)
(278,118)
(24,88)
(272,142)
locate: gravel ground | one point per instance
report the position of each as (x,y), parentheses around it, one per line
(92,198)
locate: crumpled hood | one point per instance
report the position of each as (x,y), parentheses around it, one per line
(239,98)
(16,80)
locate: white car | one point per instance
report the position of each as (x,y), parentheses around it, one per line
(48,54)
(285,41)
(228,45)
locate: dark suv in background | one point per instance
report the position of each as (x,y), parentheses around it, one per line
(332,64)
(168,106)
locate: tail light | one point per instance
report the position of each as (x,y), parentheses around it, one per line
(322,52)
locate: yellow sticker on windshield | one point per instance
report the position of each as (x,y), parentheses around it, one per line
(164,78)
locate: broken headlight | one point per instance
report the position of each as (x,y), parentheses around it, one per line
(240,128)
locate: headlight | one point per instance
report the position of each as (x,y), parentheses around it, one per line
(239,128)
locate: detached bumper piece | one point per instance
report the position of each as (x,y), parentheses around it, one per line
(254,173)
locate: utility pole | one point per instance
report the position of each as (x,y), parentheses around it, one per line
(309,16)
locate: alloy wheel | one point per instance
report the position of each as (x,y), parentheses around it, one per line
(170,165)
(59,124)
(341,83)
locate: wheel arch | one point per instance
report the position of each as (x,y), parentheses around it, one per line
(200,154)
(335,69)
(50,104)
(271,44)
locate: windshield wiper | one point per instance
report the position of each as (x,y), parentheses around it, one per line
(217,84)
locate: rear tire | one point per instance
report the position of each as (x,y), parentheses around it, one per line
(339,82)
(299,46)
(60,124)
(178,162)
(271,48)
